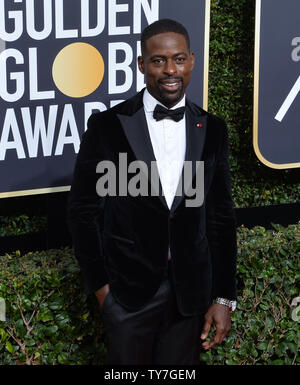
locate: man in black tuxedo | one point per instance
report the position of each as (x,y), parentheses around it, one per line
(163,271)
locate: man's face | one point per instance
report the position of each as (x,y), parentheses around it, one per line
(167,65)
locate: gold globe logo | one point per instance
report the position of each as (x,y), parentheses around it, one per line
(78,70)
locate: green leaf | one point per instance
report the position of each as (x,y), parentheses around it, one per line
(22,357)
(51,329)
(278,362)
(55,306)
(3,334)
(262,346)
(9,347)
(30,342)
(62,358)
(45,316)
(85,316)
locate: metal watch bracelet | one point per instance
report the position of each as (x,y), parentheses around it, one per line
(226,302)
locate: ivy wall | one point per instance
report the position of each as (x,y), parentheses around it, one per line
(230,96)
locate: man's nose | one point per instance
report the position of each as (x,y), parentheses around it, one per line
(170,67)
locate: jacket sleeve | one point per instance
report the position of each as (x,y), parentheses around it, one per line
(221,222)
(85,209)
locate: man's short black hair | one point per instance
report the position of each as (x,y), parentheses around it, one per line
(162,26)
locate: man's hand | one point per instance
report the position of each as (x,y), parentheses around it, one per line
(101,294)
(218,315)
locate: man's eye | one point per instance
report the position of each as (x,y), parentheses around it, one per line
(180,59)
(158,61)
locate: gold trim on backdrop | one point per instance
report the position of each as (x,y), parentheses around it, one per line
(206,55)
(35,192)
(256,96)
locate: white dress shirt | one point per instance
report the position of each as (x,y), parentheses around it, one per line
(168,141)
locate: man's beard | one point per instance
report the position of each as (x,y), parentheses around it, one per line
(169,99)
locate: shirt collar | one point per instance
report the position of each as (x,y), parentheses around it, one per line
(150,102)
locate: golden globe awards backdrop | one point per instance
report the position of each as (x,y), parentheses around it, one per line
(60,61)
(276,128)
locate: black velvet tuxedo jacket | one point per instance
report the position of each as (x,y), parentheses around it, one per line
(124,240)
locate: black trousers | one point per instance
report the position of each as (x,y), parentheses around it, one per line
(156,334)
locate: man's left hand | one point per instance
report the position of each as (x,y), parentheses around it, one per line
(218,315)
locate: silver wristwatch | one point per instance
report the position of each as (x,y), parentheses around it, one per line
(226,302)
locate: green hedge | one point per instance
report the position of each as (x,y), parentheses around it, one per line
(230,95)
(263,331)
(21,224)
(49,320)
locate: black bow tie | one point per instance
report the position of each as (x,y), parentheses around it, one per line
(161,112)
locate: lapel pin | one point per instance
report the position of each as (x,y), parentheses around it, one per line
(199,124)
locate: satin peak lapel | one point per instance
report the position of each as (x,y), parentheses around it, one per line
(195,138)
(136,131)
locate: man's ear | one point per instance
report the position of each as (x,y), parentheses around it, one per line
(141,64)
(192,56)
